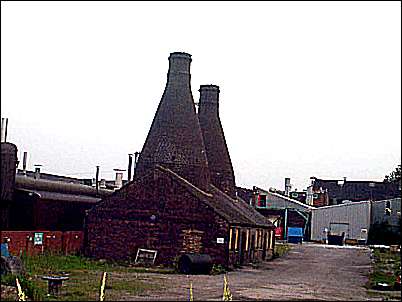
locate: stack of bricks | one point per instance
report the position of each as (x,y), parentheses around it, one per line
(192,241)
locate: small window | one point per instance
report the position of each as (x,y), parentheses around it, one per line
(262,201)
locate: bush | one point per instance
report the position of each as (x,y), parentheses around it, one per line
(27,285)
(218,269)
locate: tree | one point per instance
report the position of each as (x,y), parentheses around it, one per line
(394,176)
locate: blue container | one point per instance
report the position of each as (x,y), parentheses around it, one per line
(295,235)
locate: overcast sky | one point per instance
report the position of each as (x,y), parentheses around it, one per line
(307,89)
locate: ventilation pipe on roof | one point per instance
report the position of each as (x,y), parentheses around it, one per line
(130,163)
(118,183)
(24,164)
(102,183)
(37,171)
(288,186)
(4,125)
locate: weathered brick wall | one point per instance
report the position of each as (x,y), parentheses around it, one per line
(153,213)
(53,241)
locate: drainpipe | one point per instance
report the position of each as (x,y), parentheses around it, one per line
(285,232)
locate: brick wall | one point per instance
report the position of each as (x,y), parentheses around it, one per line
(66,243)
(154,213)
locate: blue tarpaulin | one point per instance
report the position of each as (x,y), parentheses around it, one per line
(4,250)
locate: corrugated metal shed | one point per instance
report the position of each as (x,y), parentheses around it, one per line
(353,218)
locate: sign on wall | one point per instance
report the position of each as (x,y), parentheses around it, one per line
(145,256)
(38,238)
(220,240)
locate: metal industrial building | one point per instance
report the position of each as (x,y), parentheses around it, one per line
(355,219)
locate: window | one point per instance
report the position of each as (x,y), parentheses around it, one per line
(388,210)
(247,235)
(262,201)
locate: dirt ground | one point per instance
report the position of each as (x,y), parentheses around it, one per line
(307,272)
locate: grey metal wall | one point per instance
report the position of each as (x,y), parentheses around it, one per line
(356,214)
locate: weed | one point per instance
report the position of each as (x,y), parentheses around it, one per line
(280,249)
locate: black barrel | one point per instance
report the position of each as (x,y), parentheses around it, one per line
(195,264)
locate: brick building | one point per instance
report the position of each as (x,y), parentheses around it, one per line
(176,204)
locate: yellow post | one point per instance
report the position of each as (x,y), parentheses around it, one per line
(227,296)
(191,291)
(102,289)
(21,295)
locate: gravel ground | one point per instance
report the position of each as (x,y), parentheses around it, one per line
(307,272)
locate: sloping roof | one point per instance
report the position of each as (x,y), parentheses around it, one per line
(234,211)
(281,201)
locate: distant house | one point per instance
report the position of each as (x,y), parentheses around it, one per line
(283,211)
(340,190)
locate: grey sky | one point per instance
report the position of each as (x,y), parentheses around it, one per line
(307,89)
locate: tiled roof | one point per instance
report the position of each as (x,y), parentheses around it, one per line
(234,211)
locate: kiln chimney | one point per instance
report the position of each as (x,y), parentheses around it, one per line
(219,163)
(175,140)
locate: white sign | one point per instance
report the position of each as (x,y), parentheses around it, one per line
(38,239)
(145,256)
(220,240)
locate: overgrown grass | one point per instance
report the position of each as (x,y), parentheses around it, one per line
(84,278)
(387,267)
(281,249)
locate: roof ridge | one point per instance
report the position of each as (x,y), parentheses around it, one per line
(160,167)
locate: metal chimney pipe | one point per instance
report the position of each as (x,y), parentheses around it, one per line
(2,129)
(118,183)
(97,180)
(136,154)
(103,183)
(287,186)
(5,132)
(24,164)
(37,171)
(130,163)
